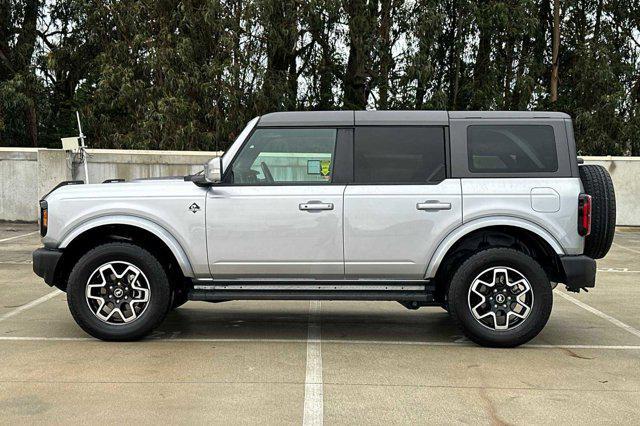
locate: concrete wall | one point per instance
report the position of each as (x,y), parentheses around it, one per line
(130,164)
(26,174)
(18,184)
(625,173)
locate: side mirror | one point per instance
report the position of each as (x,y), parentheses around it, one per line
(213,170)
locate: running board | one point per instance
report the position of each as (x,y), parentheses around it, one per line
(420,291)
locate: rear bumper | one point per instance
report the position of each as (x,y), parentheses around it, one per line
(45,262)
(579,271)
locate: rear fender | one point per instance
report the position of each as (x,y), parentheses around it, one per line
(476,224)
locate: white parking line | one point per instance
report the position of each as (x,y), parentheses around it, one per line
(601,314)
(626,248)
(30,305)
(18,236)
(313,392)
(317,341)
(618,270)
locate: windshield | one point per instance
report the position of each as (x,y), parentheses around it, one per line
(230,152)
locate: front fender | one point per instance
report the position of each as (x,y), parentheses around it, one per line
(138,222)
(480,223)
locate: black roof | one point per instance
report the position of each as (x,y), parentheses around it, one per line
(386,118)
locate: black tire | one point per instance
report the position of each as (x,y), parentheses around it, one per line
(598,184)
(159,298)
(524,331)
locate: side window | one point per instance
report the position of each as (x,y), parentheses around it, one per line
(511,149)
(411,155)
(281,156)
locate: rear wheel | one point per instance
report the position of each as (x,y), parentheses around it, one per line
(118,291)
(500,298)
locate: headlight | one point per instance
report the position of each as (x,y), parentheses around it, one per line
(44,217)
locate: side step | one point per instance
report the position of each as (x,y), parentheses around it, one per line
(212,291)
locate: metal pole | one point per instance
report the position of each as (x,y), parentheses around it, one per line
(83,149)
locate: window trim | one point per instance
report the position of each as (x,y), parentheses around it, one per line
(225,183)
(446,151)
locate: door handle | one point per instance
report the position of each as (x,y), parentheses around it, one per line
(433,206)
(314,205)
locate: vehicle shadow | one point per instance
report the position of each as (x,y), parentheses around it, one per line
(246,322)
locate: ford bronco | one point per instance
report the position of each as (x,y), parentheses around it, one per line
(481,213)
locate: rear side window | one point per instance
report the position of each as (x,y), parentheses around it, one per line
(411,155)
(511,149)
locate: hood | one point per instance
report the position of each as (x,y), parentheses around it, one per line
(148,187)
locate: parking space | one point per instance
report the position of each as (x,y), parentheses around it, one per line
(337,362)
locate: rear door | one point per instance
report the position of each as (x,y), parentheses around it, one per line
(401,204)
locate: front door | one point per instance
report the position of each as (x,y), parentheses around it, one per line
(401,204)
(278,213)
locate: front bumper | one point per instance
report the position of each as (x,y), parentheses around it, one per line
(579,271)
(45,262)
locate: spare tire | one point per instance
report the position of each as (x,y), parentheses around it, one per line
(597,183)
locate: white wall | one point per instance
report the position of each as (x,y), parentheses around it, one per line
(26,174)
(625,173)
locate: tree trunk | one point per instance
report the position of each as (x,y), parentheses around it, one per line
(385,54)
(326,77)
(32,123)
(281,35)
(20,60)
(596,30)
(355,79)
(516,94)
(508,72)
(454,57)
(319,26)
(421,85)
(533,54)
(236,11)
(483,58)
(556,50)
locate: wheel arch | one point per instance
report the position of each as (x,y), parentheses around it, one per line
(113,228)
(506,226)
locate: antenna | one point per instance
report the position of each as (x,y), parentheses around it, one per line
(83,149)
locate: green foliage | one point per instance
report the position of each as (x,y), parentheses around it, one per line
(188,74)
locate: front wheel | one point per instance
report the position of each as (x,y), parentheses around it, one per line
(118,291)
(500,298)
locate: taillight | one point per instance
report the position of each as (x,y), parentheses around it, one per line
(44,218)
(584,215)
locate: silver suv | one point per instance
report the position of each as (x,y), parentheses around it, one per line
(481,213)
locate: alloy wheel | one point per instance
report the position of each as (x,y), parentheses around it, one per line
(118,292)
(500,298)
